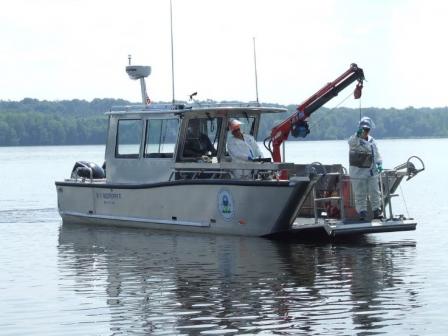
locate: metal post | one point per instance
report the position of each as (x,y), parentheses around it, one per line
(256,75)
(341,195)
(315,204)
(144,93)
(284,152)
(391,214)
(382,193)
(172,49)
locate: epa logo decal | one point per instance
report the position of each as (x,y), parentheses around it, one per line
(225,204)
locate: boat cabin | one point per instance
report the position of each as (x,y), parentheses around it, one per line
(159,143)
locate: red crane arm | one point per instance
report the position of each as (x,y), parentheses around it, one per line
(296,123)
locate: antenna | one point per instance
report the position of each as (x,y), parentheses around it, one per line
(172,49)
(256,76)
(139,72)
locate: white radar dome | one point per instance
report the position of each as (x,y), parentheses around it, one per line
(138,71)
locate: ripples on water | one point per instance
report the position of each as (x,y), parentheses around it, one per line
(27,215)
(143,282)
(109,281)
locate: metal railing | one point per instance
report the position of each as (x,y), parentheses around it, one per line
(388,180)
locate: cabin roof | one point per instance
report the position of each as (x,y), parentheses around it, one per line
(195,108)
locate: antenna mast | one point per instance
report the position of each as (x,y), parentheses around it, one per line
(139,72)
(256,76)
(172,49)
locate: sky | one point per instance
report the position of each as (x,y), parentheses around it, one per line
(78,49)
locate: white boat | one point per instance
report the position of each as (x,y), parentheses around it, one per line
(167,167)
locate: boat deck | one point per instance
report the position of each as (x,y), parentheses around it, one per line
(334,227)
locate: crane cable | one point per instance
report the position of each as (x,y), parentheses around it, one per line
(360,109)
(316,122)
(404,201)
(267,142)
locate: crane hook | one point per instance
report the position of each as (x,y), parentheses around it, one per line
(358,90)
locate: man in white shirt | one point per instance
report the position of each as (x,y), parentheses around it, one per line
(242,147)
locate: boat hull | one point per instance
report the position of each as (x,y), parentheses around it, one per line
(252,208)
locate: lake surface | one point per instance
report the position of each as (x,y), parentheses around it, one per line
(77,280)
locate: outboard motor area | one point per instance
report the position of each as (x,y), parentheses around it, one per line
(85,169)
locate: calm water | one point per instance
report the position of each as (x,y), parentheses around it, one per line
(76,280)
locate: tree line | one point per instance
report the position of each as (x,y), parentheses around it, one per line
(78,122)
(341,123)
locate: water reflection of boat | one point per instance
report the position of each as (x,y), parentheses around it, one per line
(194,185)
(169,282)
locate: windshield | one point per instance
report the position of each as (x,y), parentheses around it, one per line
(202,137)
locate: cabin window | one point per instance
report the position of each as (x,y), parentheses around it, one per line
(129,135)
(202,137)
(161,137)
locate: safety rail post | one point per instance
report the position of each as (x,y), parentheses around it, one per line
(315,204)
(388,197)
(382,192)
(341,195)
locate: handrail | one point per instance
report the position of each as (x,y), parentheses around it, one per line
(339,198)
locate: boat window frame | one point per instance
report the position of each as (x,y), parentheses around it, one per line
(117,144)
(184,133)
(145,138)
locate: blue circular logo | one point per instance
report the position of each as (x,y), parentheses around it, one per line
(225,204)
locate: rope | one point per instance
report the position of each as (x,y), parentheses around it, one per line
(316,121)
(342,101)
(404,201)
(360,109)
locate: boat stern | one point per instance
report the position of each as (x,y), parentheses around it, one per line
(336,228)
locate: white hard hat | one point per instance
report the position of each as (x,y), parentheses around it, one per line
(366,122)
(234,124)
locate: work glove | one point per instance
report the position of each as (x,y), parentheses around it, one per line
(359,132)
(379,167)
